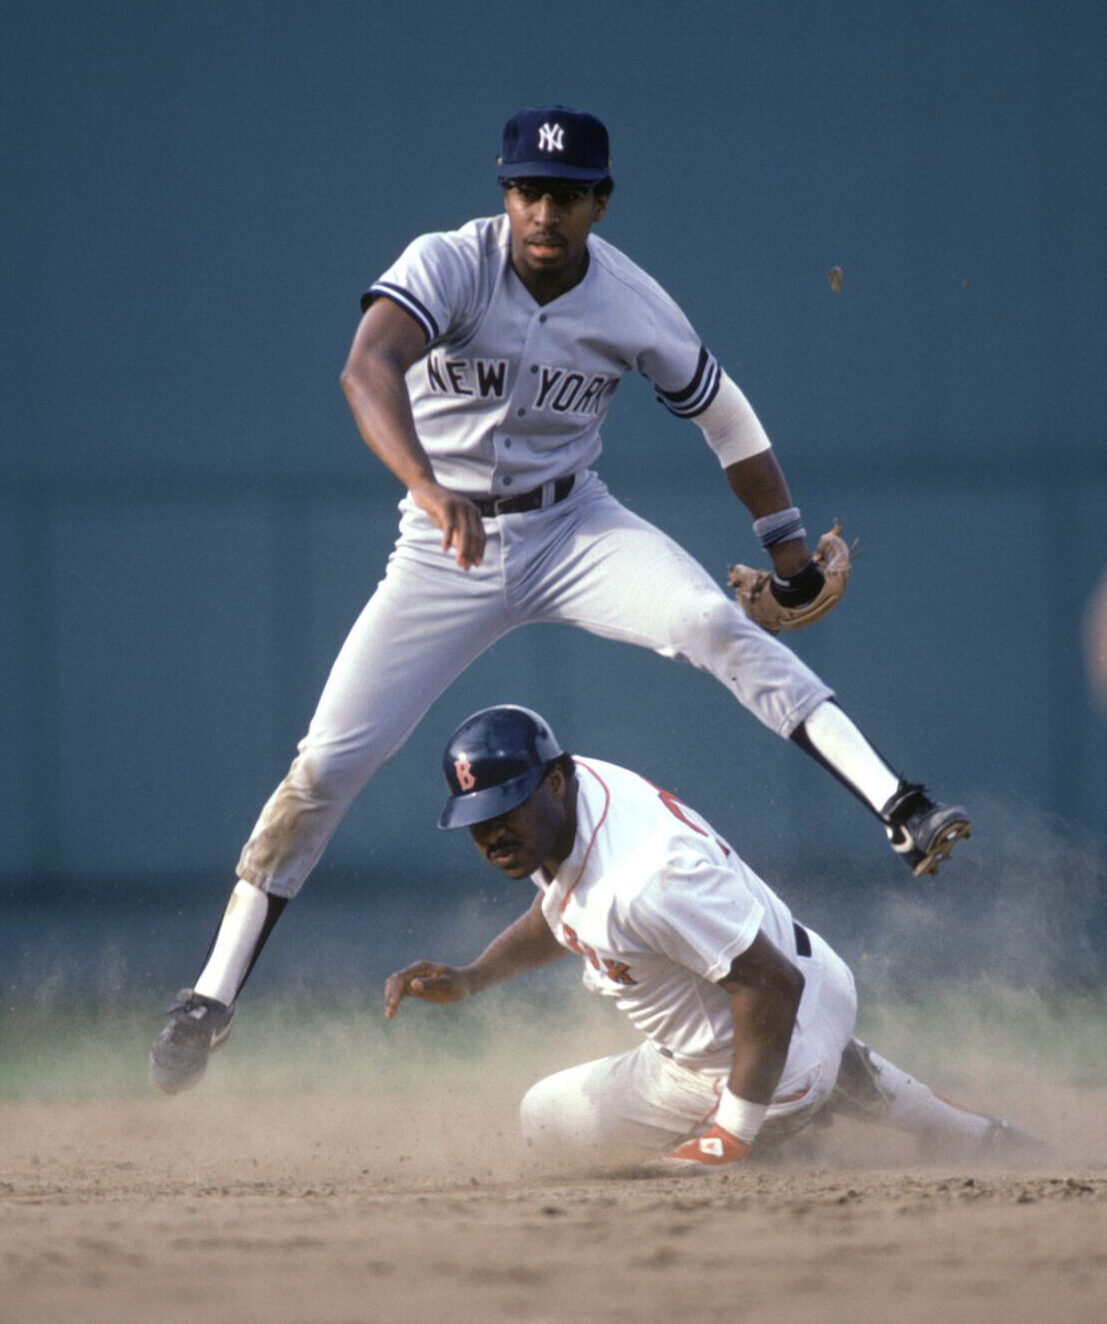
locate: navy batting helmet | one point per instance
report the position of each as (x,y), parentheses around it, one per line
(493,761)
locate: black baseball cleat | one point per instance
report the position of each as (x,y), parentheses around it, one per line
(921,832)
(197,1027)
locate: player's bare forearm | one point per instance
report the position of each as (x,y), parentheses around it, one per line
(524,945)
(759,483)
(762,1033)
(386,344)
(376,390)
(765,989)
(383,418)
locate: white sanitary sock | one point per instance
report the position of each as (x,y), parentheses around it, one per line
(845,749)
(913,1106)
(235,944)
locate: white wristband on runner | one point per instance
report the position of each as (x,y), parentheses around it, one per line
(738,1117)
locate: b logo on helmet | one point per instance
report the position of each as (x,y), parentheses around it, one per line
(464,773)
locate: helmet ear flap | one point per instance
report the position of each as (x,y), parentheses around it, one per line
(493,762)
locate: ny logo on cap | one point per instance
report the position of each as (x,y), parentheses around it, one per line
(551,138)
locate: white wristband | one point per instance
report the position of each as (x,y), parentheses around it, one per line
(738,1117)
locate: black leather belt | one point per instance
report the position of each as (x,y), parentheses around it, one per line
(518,505)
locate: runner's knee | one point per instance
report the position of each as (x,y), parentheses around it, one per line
(542,1117)
(557,1117)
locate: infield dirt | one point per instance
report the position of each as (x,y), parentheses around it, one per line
(360,1177)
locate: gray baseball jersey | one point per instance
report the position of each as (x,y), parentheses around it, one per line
(508,397)
(511,394)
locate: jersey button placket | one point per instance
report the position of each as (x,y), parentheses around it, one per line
(520,407)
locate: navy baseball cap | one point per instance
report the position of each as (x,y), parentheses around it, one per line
(554,142)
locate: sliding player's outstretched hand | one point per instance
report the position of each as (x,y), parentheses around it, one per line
(427,980)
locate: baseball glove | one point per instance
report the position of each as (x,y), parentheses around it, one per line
(753,588)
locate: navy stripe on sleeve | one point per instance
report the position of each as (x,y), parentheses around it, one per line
(700,391)
(408,302)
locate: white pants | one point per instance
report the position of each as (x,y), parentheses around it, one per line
(641,1104)
(586,561)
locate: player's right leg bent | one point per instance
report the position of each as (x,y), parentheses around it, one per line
(427,621)
(614,574)
(619,576)
(630,1107)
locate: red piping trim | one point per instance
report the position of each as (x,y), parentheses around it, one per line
(592,840)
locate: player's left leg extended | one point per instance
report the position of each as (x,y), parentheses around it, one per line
(873,1089)
(425,623)
(618,576)
(920,831)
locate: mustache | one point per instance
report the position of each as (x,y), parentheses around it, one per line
(502,843)
(545,239)
(495,840)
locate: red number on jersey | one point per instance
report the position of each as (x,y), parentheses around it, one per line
(674,806)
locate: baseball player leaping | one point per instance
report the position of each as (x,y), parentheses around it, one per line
(747,1015)
(480,374)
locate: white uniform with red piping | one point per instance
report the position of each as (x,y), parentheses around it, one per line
(658,906)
